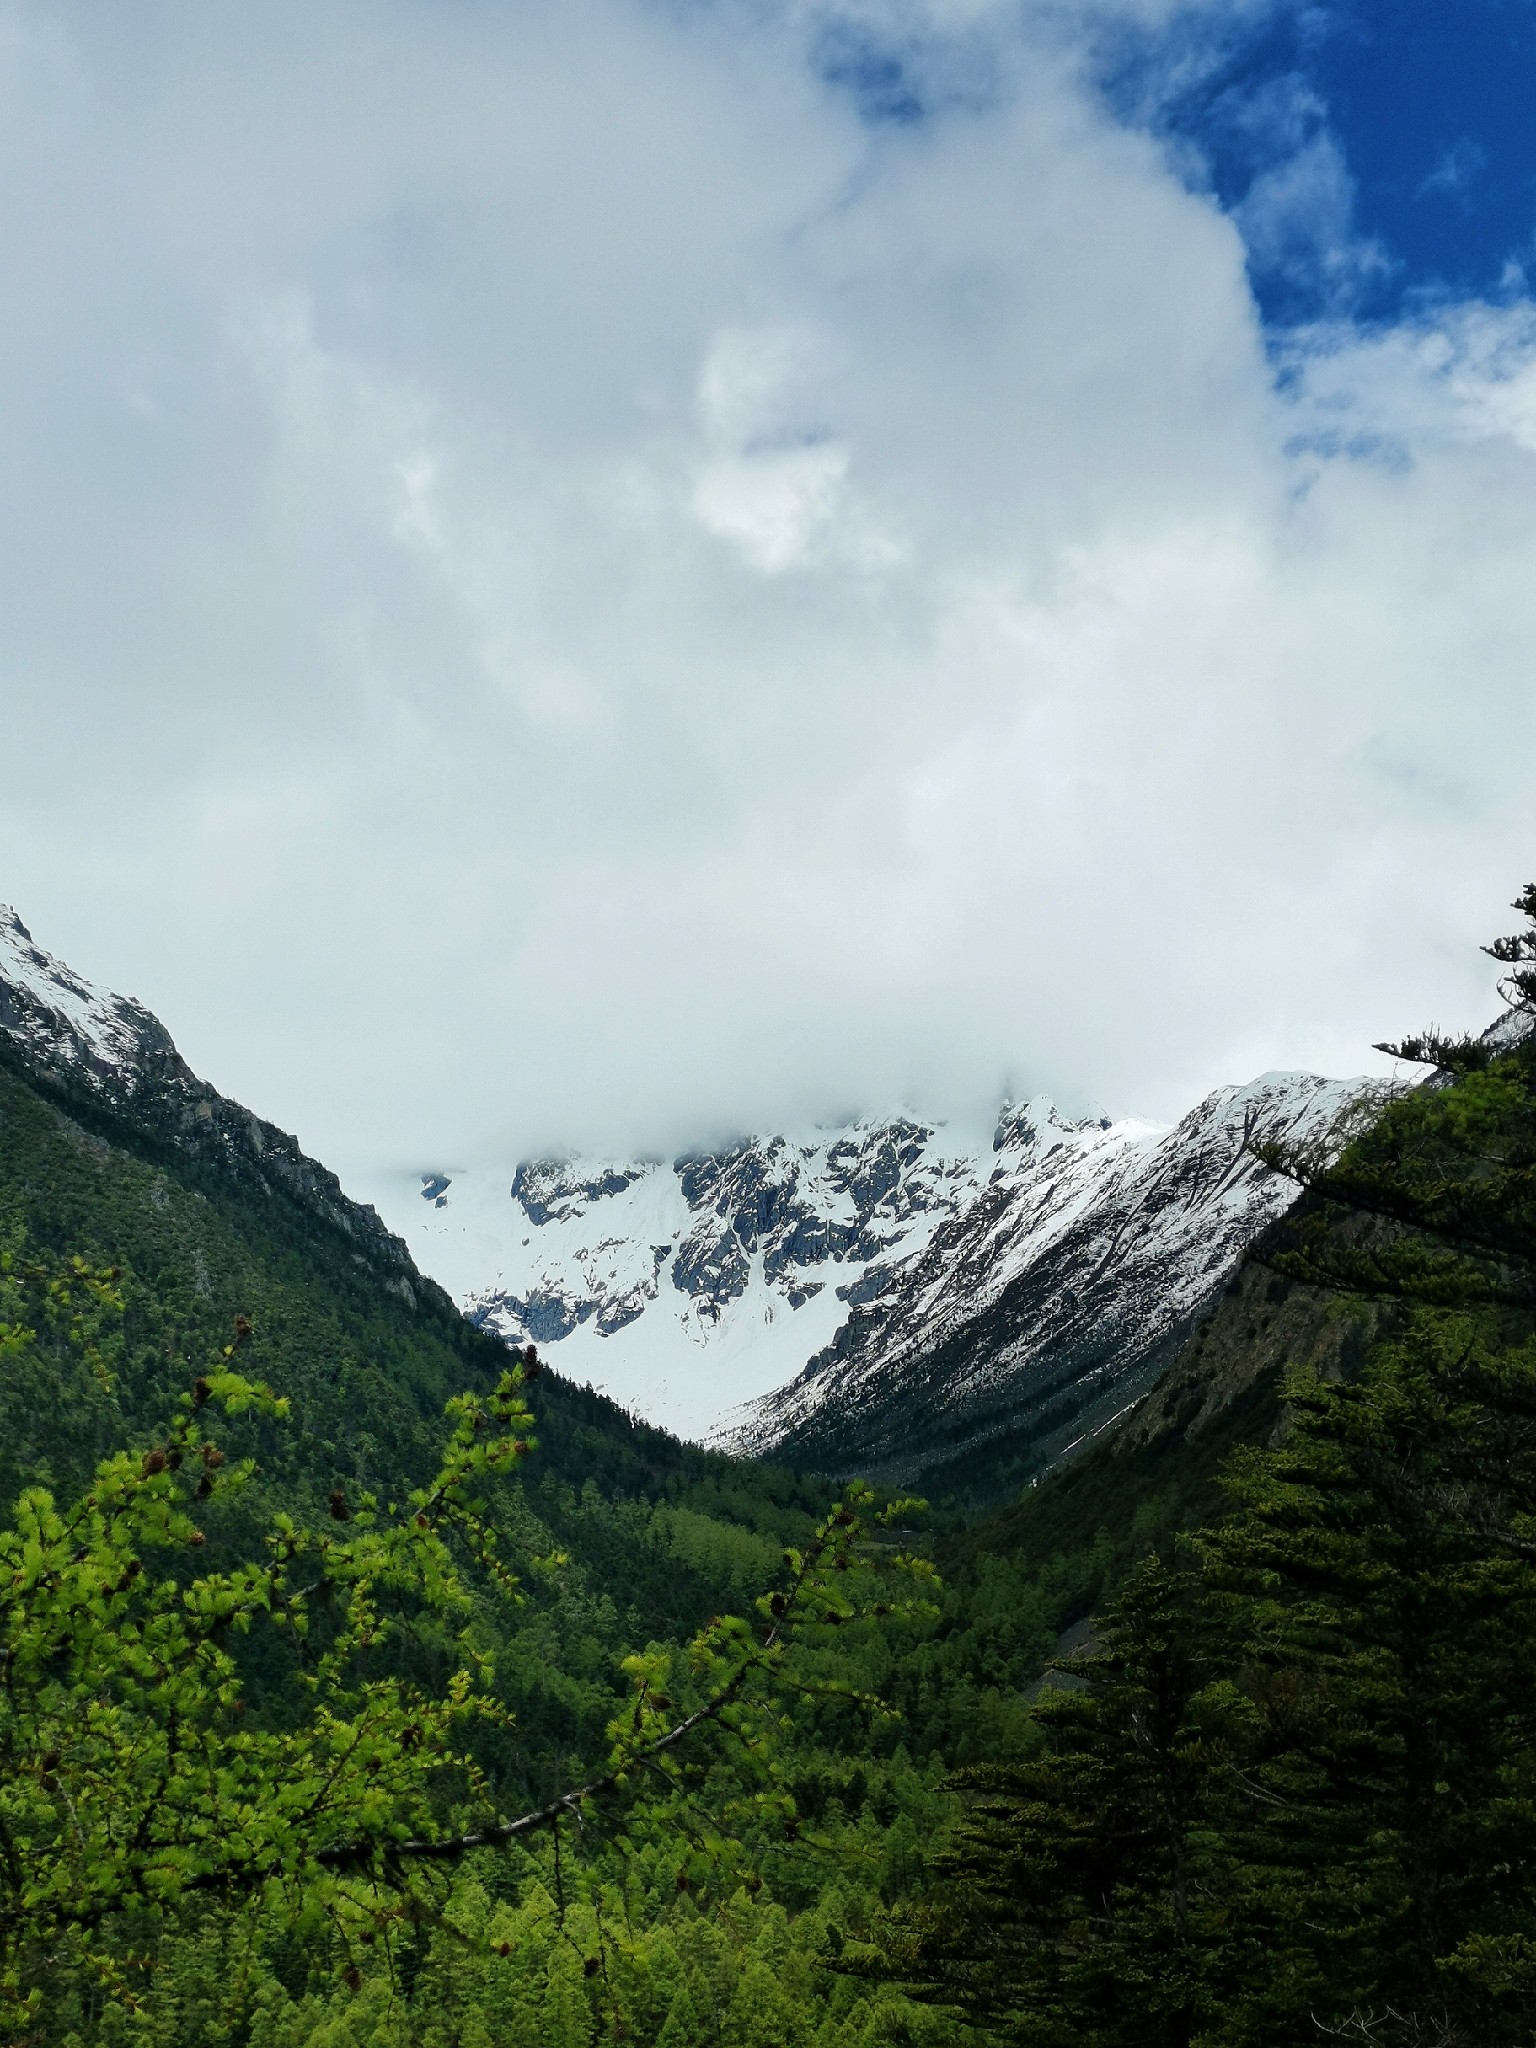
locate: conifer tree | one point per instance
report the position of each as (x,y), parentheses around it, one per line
(1085,1899)
(1435,1200)
(1388,1646)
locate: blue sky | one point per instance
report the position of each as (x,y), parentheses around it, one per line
(1431,105)
(626,572)
(1426,109)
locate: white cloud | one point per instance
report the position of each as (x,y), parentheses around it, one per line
(1298,223)
(775,504)
(773,482)
(554,584)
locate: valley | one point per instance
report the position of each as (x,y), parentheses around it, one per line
(884,1297)
(1181,1425)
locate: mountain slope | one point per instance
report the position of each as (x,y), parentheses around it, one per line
(878,1297)
(111,1148)
(110,1050)
(1047,1309)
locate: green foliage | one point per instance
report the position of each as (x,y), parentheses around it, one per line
(1293,1790)
(504,1963)
(130,1770)
(1388,1621)
(1291,1796)
(135,1776)
(1088,1893)
(428,1751)
(622,1539)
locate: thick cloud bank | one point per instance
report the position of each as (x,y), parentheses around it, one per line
(568,577)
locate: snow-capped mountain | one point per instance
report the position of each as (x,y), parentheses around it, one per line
(879,1297)
(64,1024)
(89,1043)
(853,1297)
(1052,1300)
(685,1287)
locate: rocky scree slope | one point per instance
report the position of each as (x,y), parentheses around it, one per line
(88,1043)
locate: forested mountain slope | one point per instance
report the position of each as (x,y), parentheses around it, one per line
(1156,1472)
(1369,1365)
(112,1152)
(108,1051)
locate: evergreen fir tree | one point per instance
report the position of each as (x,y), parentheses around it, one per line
(1085,1900)
(689,2020)
(1390,1655)
(1436,1200)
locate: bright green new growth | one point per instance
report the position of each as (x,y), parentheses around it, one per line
(133,1776)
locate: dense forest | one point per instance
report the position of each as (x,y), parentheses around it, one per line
(367,1684)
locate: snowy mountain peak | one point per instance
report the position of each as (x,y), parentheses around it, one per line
(88,1044)
(58,1016)
(684,1286)
(1049,1302)
(769,1293)
(1038,1126)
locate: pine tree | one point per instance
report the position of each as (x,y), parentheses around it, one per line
(689,2022)
(1390,1653)
(1436,1200)
(1084,1902)
(760,2015)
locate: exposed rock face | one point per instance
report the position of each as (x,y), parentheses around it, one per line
(87,1040)
(1057,1294)
(804,1207)
(876,1297)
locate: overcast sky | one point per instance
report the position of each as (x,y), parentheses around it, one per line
(608,572)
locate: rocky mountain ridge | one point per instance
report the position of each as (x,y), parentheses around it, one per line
(1045,1310)
(112,1052)
(878,1296)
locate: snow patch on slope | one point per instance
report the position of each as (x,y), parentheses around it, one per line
(683,1288)
(59,1015)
